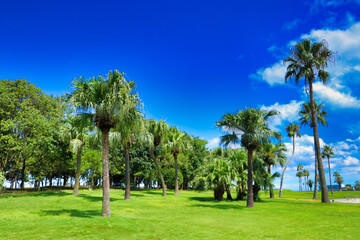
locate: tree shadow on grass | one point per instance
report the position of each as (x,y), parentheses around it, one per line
(35,194)
(220,206)
(204,199)
(95,199)
(72,213)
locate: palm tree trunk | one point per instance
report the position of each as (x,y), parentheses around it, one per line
(159,172)
(324,191)
(250,195)
(106,185)
(228,194)
(78,171)
(332,193)
(282,176)
(316,180)
(176,176)
(271,187)
(127,174)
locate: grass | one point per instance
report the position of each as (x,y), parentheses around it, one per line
(192,215)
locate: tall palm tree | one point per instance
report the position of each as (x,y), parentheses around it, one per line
(157,131)
(76,131)
(104,100)
(176,142)
(308,60)
(299,174)
(307,120)
(327,153)
(338,179)
(249,128)
(293,131)
(273,155)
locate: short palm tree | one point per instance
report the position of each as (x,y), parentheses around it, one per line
(104,100)
(293,131)
(249,128)
(338,179)
(76,130)
(273,155)
(299,174)
(176,142)
(157,130)
(306,175)
(310,183)
(308,61)
(306,114)
(327,153)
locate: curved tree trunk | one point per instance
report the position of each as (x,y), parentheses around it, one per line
(324,191)
(159,172)
(127,174)
(106,183)
(287,164)
(78,171)
(332,193)
(316,180)
(271,186)
(176,176)
(250,194)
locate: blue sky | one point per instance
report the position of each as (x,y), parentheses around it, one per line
(194,61)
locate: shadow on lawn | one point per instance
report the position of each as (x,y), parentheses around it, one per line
(35,194)
(204,199)
(95,199)
(72,213)
(220,206)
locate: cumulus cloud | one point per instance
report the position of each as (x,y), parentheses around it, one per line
(335,98)
(288,112)
(213,143)
(273,75)
(351,161)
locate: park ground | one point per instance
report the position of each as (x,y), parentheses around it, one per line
(192,215)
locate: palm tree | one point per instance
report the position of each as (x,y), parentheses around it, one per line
(76,131)
(328,152)
(338,179)
(273,155)
(157,130)
(307,120)
(306,174)
(299,174)
(293,131)
(308,60)
(177,142)
(249,128)
(306,114)
(310,184)
(104,100)
(127,127)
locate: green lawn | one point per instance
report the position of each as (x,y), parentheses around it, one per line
(192,215)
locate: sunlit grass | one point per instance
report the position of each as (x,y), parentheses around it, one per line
(192,215)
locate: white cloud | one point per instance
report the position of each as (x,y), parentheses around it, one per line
(334,97)
(351,161)
(213,143)
(273,75)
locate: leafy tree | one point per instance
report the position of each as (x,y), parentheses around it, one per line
(250,128)
(327,153)
(338,179)
(357,184)
(293,131)
(308,60)
(273,155)
(104,100)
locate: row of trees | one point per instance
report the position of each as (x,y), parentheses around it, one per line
(102,115)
